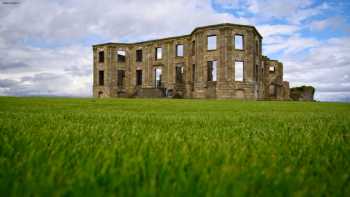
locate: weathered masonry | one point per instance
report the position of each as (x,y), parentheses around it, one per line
(221,61)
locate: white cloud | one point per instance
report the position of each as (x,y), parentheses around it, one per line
(232,4)
(63,71)
(113,20)
(271,30)
(293,11)
(42,50)
(334,23)
(47,84)
(333,96)
(28,30)
(326,67)
(271,8)
(289,45)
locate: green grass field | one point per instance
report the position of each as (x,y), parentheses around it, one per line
(135,147)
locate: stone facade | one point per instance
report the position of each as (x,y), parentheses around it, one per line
(303,93)
(221,61)
(274,88)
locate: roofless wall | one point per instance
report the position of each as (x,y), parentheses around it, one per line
(218,61)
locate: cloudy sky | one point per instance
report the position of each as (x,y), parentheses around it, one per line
(45,45)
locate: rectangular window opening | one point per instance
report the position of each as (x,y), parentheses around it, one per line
(101,78)
(211,42)
(121,78)
(272,69)
(238,71)
(193,72)
(121,55)
(101,56)
(238,40)
(139,55)
(193,75)
(272,90)
(193,47)
(158,77)
(256,73)
(138,77)
(212,70)
(179,73)
(158,53)
(180,50)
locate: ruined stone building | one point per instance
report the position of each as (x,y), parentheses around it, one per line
(223,61)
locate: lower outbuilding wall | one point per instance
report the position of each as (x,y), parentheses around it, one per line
(303,93)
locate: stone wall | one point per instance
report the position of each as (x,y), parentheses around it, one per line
(274,88)
(303,93)
(195,82)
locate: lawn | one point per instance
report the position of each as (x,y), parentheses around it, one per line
(161,147)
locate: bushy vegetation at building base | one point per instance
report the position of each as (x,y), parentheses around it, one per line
(140,147)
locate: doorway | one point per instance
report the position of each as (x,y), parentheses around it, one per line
(158,77)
